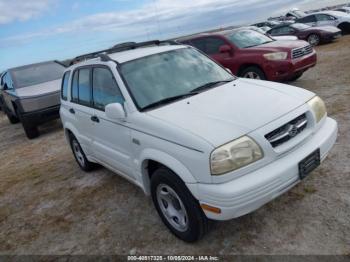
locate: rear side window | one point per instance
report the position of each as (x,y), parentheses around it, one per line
(105,88)
(323,17)
(307,19)
(64,87)
(208,45)
(84,86)
(81,87)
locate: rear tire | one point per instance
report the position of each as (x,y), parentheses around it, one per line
(176,206)
(12,119)
(345,28)
(79,155)
(253,72)
(30,131)
(314,39)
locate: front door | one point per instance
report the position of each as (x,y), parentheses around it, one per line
(111,143)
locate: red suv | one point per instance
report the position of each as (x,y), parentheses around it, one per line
(250,54)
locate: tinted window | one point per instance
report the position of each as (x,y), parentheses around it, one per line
(283,30)
(248,38)
(37,74)
(84,86)
(323,17)
(307,19)
(212,45)
(105,88)
(75,87)
(64,87)
(209,45)
(178,72)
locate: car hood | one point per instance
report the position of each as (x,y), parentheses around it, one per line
(285,38)
(229,111)
(284,44)
(40,89)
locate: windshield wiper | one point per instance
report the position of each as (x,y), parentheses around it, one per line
(210,85)
(168,100)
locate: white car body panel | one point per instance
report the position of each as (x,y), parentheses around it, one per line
(284,38)
(183,134)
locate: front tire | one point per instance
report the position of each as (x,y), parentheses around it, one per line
(79,155)
(296,77)
(253,72)
(30,131)
(176,206)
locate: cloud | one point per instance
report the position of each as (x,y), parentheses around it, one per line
(19,10)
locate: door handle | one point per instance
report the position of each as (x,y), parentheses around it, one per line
(71,111)
(95,119)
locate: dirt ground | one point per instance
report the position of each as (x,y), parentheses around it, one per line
(49,206)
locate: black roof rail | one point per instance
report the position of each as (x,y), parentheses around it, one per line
(119,48)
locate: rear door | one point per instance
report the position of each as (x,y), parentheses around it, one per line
(309,20)
(112,142)
(80,108)
(325,20)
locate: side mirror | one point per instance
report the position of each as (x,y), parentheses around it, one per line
(5,87)
(225,49)
(115,111)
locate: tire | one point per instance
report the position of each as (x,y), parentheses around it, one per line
(12,119)
(314,39)
(79,155)
(296,76)
(30,131)
(253,72)
(345,28)
(168,190)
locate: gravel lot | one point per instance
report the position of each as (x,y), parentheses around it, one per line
(49,206)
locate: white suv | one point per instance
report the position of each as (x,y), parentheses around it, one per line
(203,143)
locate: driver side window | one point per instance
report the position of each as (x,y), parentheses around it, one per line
(105,89)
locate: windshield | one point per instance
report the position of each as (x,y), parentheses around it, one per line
(300,26)
(157,77)
(248,38)
(37,74)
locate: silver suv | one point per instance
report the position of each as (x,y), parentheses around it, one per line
(31,94)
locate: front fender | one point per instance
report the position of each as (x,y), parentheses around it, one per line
(167,160)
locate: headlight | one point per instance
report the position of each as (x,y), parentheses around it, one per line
(236,154)
(276,56)
(318,108)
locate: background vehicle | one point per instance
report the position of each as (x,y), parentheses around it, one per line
(264,29)
(144,114)
(314,35)
(295,13)
(250,54)
(31,94)
(1,88)
(344,9)
(328,18)
(267,23)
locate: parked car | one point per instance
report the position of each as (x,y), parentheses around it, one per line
(314,35)
(262,31)
(267,23)
(343,9)
(295,13)
(203,143)
(328,18)
(1,84)
(250,54)
(31,94)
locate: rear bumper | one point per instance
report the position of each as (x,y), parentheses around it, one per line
(285,70)
(251,191)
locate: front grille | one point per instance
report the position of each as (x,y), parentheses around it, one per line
(299,52)
(287,131)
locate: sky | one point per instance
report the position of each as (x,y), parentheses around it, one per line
(38,30)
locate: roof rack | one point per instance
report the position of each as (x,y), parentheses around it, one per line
(103,54)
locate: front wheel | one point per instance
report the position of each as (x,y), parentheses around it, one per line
(12,119)
(314,39)
(253,72)
(31,131)
(176,206)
